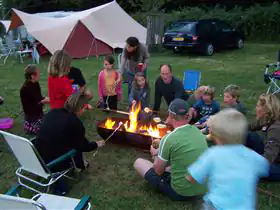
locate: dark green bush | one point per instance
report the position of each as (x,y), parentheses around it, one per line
(257,22)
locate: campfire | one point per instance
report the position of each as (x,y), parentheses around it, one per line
(133,132)
(134,126)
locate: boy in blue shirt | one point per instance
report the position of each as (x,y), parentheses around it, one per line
(232,170)
(205,107)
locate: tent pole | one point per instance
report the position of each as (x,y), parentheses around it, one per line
(97,56)
(90,47)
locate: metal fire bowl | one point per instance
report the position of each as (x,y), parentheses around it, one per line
(137,140)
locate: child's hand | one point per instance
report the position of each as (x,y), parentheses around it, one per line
(45,100)
(89,107)
(155,143)
(133,102)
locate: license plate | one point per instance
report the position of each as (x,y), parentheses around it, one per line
(180,39)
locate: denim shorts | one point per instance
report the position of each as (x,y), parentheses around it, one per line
(162,183)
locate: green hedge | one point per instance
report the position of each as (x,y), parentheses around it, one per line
(257,22)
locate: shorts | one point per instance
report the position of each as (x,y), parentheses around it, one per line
(162,183)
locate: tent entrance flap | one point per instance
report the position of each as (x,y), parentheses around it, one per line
(15,21)
(81,43)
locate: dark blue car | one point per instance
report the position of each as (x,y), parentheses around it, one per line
(204,36)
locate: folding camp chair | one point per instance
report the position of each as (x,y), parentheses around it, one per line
(43,201)
(22,53)
(191,80)
(5,52)
(272,78)
(31,163)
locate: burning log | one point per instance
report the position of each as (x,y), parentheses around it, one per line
(134,132)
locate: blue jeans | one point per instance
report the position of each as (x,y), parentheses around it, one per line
(162,183)
(256,143)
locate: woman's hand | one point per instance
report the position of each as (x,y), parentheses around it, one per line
(100,143)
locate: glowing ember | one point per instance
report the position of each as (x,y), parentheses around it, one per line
(132,125)
(109,123)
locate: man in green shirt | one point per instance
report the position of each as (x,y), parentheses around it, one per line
(178,149)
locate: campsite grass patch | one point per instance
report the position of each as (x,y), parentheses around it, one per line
(111,180)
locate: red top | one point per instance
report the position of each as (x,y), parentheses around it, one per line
(60,88)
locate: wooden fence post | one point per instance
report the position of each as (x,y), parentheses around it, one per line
(155,30)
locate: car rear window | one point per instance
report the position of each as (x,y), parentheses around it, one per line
(183,27)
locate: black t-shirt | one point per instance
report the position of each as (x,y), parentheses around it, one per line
(168,91)
(60,132)
(76,77)
(30,95)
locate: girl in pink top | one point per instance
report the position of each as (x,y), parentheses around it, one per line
(109,84)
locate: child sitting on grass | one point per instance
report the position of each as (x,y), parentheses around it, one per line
(205,107)
(232,170)
(231,98)
(109,85)
(196,96)
(32,100)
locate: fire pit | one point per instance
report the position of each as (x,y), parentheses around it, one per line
(133,132)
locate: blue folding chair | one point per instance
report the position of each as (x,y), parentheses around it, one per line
(191,80)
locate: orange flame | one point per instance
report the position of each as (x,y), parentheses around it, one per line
(151,130)
(133,118)
(132,124)
(109,123)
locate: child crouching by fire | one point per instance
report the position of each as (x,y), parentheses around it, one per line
(140,95)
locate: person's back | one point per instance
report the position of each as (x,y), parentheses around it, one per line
(186,144)
(76,77)
(57,132)
(232,170)
(233,176)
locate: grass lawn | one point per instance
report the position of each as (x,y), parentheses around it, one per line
(111,180)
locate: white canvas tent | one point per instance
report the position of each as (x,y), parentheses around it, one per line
(94,31)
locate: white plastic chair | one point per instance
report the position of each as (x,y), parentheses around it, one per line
(22,53)
(43,202)
(31,162)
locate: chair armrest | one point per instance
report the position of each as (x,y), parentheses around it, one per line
(13,191)
(83,203)
(32,139)
(62,158)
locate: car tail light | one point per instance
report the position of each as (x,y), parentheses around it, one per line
(194,38)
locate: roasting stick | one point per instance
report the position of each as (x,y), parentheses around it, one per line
(115,111)
(120,125)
